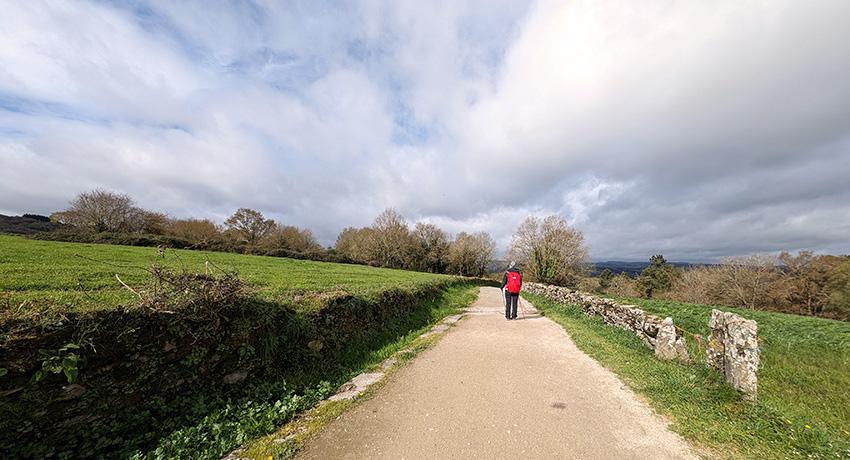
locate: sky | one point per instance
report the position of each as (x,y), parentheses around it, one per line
(693,129)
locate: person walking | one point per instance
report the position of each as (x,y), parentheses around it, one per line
(511,285)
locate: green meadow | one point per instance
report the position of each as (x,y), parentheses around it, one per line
(82,277)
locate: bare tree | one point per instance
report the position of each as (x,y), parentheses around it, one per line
(748,279)
(391,238)
(198,231)
(839,289)
(469,254)
(806,276)
(703,285)
(151,222)
(290,238)
(99,211)
(622,285)
(250,226)
(550,250)
(357,244)
(428,248)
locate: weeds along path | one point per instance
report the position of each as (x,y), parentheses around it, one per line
(493,388)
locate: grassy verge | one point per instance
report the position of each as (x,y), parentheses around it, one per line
(302,428)
(262,412)
(708,412)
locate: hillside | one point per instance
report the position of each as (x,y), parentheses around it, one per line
(26,224)
(82,276)
(629,268)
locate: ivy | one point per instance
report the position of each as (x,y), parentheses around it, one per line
(66,360)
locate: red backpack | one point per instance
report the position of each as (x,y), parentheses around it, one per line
(514,282)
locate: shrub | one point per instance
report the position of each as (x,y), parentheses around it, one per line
(622,285)
(26,224)
(127,239)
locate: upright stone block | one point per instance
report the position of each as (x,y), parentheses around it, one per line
(667,345)
(742,355)
(733,348)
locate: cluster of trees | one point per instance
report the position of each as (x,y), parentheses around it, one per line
(390,242)
(247,230)
(802,283)
(549,251)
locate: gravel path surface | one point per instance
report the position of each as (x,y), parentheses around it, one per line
(493,388)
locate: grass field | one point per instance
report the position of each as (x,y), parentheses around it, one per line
(82,276)
(803,410)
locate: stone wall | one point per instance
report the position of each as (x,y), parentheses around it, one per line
(733,349)
(659,334)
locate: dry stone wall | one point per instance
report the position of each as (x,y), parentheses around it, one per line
(659,334)
(733,346)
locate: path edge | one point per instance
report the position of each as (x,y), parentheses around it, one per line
(291,436)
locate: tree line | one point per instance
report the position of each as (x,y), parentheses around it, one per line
(390,242)
(547,249)
(802,283)
(109,217)
(116,218)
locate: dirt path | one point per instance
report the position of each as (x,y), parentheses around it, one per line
(493,388)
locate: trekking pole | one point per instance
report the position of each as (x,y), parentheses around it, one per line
(521,308)
(504,298)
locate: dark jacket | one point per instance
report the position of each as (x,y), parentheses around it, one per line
(505,276)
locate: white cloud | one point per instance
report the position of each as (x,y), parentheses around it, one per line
(694,128)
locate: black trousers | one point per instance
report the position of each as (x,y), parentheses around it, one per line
(511,301)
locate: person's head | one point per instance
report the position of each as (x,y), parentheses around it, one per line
(511,265)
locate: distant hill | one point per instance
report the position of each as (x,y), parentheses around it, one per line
(630,268)
(26,224)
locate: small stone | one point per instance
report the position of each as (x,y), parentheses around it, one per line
(440,328)
(72,391)
(388,363)
(357,385)
(452,319)
(235,377)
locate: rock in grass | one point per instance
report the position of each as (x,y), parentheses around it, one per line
(235,377)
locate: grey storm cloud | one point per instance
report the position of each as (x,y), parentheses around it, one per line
(693,129)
